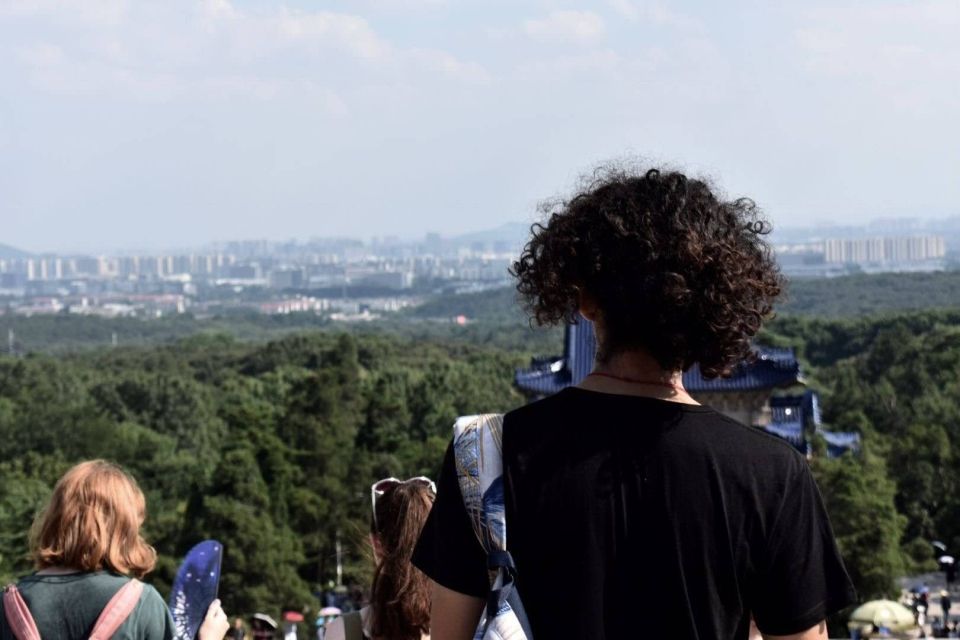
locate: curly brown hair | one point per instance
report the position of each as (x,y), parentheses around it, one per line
(674,268)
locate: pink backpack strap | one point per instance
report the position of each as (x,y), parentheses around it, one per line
(116,612)
(18,615)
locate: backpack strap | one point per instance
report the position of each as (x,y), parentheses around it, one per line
(116,612)
(18,616)
(478,449)
(352,626)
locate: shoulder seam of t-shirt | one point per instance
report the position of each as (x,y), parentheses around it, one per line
(783,444)
(788,492)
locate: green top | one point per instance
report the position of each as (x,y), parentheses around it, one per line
(67,606)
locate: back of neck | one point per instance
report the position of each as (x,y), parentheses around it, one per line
(637,373)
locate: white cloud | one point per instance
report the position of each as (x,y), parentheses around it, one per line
(653,12)
(212,47)
(602,61)
(905,51)
(566,26)
(625,8)
(936,14)
(41,54)
(347,32)
(218,10)
(451,66)
(399,5)
(87,12)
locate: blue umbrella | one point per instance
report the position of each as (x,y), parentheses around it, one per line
(195,587)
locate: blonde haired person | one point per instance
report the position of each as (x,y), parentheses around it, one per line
(86,546)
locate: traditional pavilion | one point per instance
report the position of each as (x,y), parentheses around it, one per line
(747,395)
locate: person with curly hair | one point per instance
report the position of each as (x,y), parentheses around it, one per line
(632,511)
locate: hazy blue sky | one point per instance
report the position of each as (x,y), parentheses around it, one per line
(169,123)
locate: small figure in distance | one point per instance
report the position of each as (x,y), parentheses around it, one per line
(237,631)
(400,595)
(631,510)
(87,547)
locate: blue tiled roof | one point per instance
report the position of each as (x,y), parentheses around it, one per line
(787,408)
(792,417)
(792,432)
(772,369)
(839,442)
(543,380)
(804,407)
(795,416)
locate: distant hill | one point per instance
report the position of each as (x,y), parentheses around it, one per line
(495,305)
(848,296)
(7,252)
(872,294)
(497,318)
(513,233)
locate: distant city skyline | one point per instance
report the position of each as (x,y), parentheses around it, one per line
(353,280)
(517,231)
(168,125)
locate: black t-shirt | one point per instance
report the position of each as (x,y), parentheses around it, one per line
(632,517)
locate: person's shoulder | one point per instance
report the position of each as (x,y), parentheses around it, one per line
(109,578)
(152,609)
(755,435)
(93,582)
(114,581)
(151,595)
(552,404)
(739,442)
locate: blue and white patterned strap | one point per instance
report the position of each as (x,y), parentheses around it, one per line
(477,443)
(478,449)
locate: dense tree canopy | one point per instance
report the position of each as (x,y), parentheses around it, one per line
(271,446)
(895,381)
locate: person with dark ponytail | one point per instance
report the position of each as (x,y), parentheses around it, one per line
(399,606)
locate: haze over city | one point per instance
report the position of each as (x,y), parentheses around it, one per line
(152,126)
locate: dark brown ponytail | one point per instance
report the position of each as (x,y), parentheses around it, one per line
(400,596)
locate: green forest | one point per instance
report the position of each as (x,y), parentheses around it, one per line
(269,441)
(269,448)
(893,379)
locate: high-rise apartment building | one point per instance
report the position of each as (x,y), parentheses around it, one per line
(899,249)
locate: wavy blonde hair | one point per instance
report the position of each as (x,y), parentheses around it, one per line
(93,523)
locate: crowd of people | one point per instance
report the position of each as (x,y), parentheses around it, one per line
(632,510)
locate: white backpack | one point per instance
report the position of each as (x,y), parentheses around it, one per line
(477,445)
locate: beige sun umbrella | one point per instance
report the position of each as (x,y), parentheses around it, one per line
(885,613)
